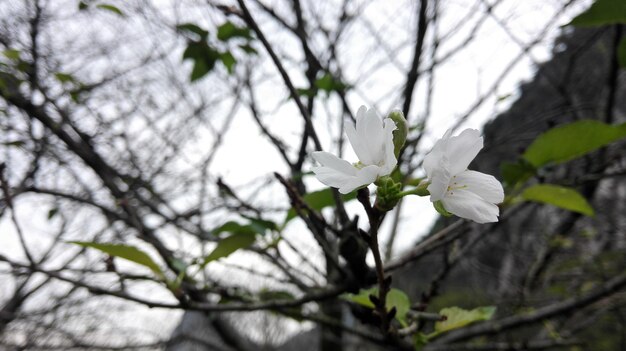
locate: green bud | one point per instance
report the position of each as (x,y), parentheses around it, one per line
(401,132)
(388,193)
(442,210)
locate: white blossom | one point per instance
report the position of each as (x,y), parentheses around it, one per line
(467,194)
(372,141)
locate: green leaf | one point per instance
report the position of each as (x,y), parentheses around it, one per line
(419,341)
(230,244)
(234,227)
(398,299)
(52,212)
(200,69)
(64,77)
(559,196)
(328,84)
(179,264)
(567,142)
(269,295)
(110,8)
(12,54)
(306,92)
(621,53)
(126,252)
(602,12)
(229,30)
(194,29)
(228,60)
(14,143)
(457,318)
(317,200)
(248,49)
(260,225)
(395,298)
(82,5)
(204,58)
(517,172)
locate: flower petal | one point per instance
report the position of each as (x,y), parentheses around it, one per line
(462,149)
(365,176)
(432,160)
(484,185)
(369,128)
(466,204)
(340,174)
(439,181)
(390,160)
(334,171)
(358,144)
(329,160)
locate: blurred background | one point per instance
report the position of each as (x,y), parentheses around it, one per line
(157,127)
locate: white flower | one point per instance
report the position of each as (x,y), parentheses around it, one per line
(468,194)
(372,141)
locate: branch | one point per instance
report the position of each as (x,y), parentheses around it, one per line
(283,73)
(560,308)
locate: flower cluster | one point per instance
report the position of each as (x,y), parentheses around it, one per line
(452,187)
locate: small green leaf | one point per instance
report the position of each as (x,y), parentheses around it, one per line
(228,245)
(559,196)
(64,77)
(194,29)
(179,264)
(260,225)
(126,252)
(306,92)
(398,299)
(325,83)
(14,143)
(52,212)
(234,227)
(602,12)
(317,200)
(328,84)
(82,5)
(419,341)
(621,53)
(229,30)
(395,298)
(228,60)
(269,295)
(248,49)
(12,54)
(204,58)
(567,142)
(503,97)
(516,172)
(110,8)
(457,318)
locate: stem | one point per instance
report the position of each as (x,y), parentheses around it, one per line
(374,216)
(416,191)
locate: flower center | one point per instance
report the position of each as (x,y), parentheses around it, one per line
(454,185)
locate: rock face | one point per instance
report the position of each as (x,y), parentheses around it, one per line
(539,252)
(523,257)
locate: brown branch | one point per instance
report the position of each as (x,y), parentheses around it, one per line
(561,308)
(283,73)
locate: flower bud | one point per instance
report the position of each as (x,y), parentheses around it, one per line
(387,193)
(401,132)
